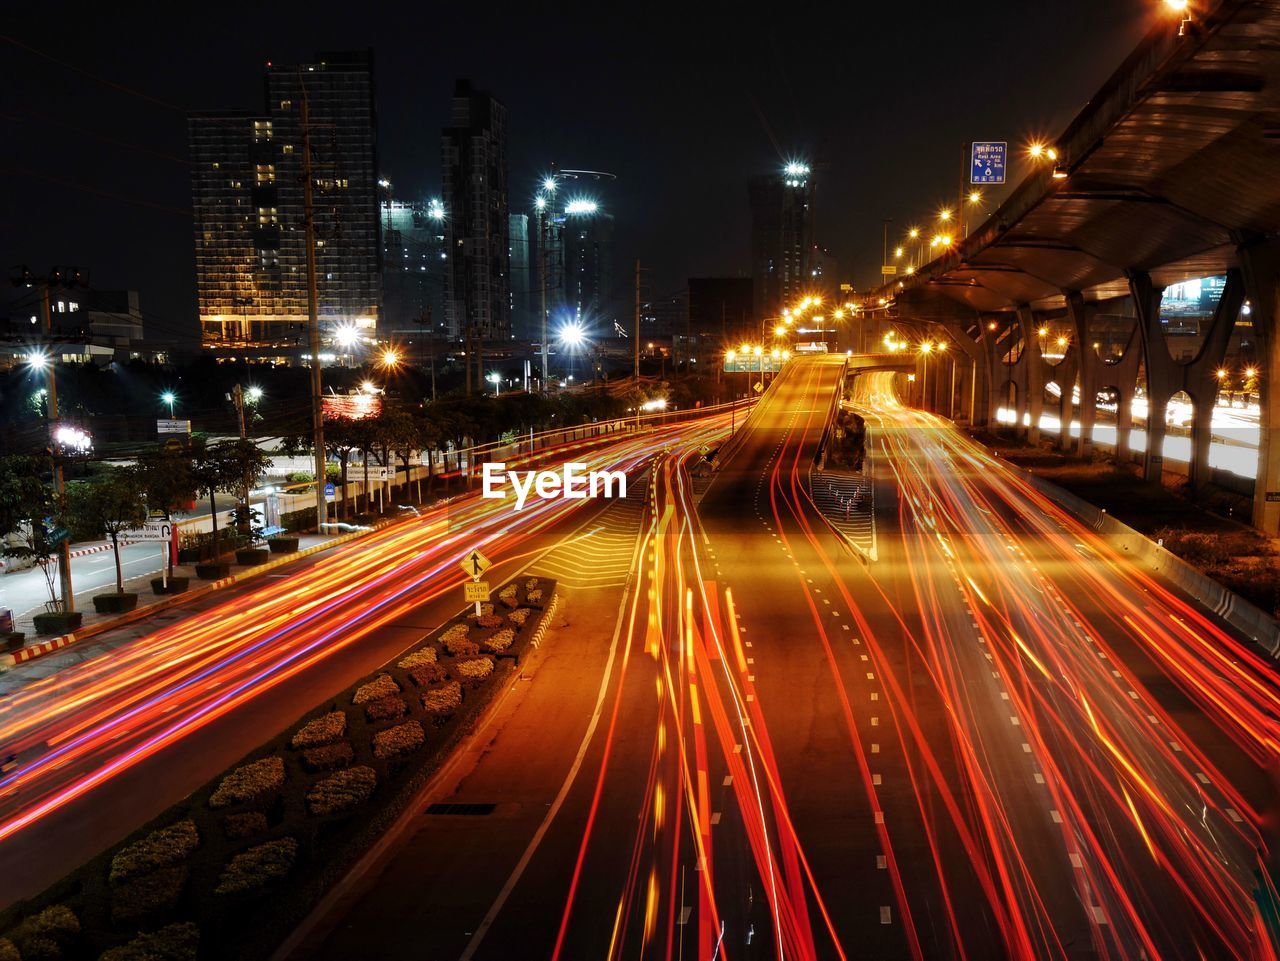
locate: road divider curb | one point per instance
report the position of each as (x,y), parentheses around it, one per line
(1245,617)
(33,651)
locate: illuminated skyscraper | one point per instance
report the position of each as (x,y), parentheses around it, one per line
(474,159)
(782,236)
(247,196)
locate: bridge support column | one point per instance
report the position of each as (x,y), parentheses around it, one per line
(1200,379)
(1159,367)
(1260,263)
(1031,401)
(1087,362)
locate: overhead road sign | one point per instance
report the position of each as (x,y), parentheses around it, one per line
(749,363)
(988,161)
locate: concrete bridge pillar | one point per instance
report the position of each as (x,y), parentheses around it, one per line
(1260,266)
(1031,392)
(1087,363)
(1200,379)
(1159,367)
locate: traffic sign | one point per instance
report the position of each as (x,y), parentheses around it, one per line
(889,270)
(330,490)
(475,591)
(381,473)
(474,564)
(170,426)
(58,535)
(150,531)
(988,161)
(758,387)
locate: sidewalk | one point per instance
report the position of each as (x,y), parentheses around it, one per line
(46,655)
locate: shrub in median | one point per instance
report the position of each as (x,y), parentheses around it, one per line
(252,782)
(325,729)
(401,739)
(158,849)
(328,758)
(386,708)
(303,806)
(174,942)
(257,866)
(342,792)
(378,688)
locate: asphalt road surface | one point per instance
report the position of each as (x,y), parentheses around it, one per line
(998,740)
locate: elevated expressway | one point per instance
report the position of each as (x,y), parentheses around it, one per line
(1170,173)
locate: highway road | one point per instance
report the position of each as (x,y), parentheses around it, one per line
(998,740)
(110,742)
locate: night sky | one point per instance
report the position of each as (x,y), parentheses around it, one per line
(683,107)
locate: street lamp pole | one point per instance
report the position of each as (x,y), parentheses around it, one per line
(59,479)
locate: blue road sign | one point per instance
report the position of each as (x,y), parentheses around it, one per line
(330,490)
(987,162)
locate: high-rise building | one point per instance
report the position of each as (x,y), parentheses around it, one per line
(474,158)
(573,222)
(587,242)
(525,294)
(782,236)
(247,195)
(413,269)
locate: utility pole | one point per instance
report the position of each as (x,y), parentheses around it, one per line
(637,344)
(542,262)
(313,316)
(59,480)
(237,398)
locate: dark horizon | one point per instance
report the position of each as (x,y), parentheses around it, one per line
(684,111)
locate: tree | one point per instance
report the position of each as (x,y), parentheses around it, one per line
(110,504)
(396,433)
(226,467)
(26,500)
(168,480)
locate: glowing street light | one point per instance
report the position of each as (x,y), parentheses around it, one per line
(731,355)
(745,348)
(780,330)
(168,398)
(757,350)
(346,335)
(1222,373)
(1043,331)
(914,233)
(944,214)
(496,379)
(1062,343)
(37,359)
(975,196)
(390,357)
(549,184)
(540,203)
(571,335)
(897,253)
(581,206)
(254,394)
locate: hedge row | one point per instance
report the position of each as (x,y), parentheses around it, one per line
(229,871)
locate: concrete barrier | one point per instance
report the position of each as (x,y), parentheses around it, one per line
(1245,617)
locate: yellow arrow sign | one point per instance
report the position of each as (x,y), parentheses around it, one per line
(474,564)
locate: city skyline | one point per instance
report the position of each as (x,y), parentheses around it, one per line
(139,170)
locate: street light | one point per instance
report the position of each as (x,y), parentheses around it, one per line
(549,184)
(496,379)
(37,359)
(390,357)
(780,330)
(168,398)
(254,394)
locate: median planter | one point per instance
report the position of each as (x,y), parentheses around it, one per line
(213,570)
(176,585)
(283,545)
(60,622)
(249,556)
(114,603)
